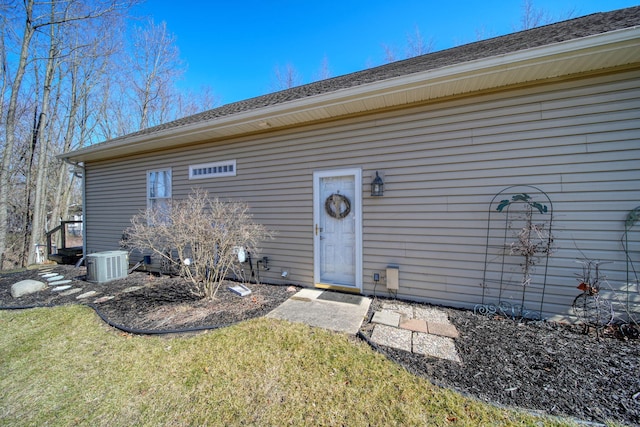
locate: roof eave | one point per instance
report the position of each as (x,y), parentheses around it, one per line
(608,50)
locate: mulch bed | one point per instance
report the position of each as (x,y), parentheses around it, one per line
(160,304)
(538,366)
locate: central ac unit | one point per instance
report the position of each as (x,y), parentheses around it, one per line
(103,267)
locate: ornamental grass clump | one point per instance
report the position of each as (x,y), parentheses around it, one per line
(198,238)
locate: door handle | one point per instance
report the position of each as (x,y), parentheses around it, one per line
(318,229)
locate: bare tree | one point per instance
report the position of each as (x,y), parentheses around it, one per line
(38,220)
(190,102)
(286,78)
(139,88)
(4,65)
(390,54)
(482,33)
(533,17)
(10,125)
(43,22)
(114,115)
(416,46)
(155,65)
(325,71)
(72,83)
(84,69)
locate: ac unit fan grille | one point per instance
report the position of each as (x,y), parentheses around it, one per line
(103,267)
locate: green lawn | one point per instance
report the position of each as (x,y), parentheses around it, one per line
(63,366)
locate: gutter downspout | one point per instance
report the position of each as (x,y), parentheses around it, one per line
(76,166)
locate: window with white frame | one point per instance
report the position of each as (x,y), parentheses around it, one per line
(159,189)
(213,170)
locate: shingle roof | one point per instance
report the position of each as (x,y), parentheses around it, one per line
(554,33)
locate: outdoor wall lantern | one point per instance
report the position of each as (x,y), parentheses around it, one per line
(377,186)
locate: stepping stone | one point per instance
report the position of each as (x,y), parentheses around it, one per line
(443,329)
(55,278)
(392,337)
(435,346)
(431,314)
(415,325)
(131,289)
(104,299)
(386,317)
(87,295)
(47,275)
(71,291)
(59,282)
(405,311)
(61,288)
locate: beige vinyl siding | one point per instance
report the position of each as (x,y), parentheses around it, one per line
(579,141)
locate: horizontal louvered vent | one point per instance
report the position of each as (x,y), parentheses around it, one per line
(213,170)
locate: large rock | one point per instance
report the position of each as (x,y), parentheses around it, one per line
(25,287)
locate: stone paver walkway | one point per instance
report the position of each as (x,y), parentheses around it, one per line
(421,330)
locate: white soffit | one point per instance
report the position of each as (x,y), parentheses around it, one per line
(608,50)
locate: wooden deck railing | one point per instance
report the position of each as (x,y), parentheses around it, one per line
(62,228)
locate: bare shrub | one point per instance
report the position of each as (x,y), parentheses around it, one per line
(198,237)
(532,242)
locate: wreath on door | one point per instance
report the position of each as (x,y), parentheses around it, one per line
(337,206)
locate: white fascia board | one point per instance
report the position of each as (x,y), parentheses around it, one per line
(510,62)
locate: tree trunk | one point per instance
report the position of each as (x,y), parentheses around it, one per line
(59,210)
(40,197)
(10,128)
(27,214)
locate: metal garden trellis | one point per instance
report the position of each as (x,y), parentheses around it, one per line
(519,239)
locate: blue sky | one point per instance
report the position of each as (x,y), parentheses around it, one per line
(235,46)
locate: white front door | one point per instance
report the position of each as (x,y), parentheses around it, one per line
(337,228)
